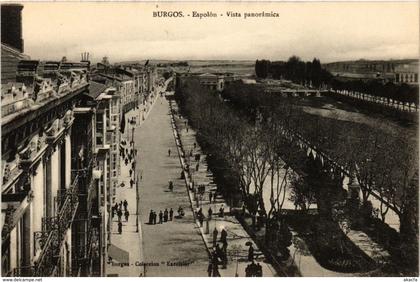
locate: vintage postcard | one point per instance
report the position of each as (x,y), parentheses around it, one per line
(213,139)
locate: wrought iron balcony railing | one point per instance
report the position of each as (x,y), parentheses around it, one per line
(56,228)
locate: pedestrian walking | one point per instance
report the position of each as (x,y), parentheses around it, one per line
(222,211)
(119,214)
(126,214)
(154,217)
(201,219)
(133,165)
(210,269)
(197,166)
(224,246)
(160,217)
(131,172)
(215,232)
(125,204)
(151,217)
(210,212)
(210,196)
(215,266)
(251,253)
(258,269)
(165,215)
(223,236)
(119,227)
(116,207)
(131,183)
(169,152)
(195,145)
(171,214)
(112,213)
(126,161)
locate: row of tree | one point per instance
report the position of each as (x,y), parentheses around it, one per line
(390,92)
(250,133)
(383,158)
(296,70)
(312,74)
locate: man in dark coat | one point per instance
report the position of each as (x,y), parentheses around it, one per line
(215,232)
(171,214)
(258,269)
(165,215)
(251,253)
(119,227)
(223,236)
(154,217)
(210,212)
(160,217)
(151,217)
(125,204)
(119,214)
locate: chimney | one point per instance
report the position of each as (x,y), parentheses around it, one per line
(11,25)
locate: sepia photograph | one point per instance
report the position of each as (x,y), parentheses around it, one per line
(209,139)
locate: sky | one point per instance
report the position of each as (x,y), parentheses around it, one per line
(122,31)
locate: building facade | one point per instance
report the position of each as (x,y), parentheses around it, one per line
(407,73)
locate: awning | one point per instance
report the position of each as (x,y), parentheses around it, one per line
(118,254)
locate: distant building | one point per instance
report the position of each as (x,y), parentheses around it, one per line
(212,81)
(407,73)
(388,70)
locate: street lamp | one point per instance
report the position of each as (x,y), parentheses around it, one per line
(137,202)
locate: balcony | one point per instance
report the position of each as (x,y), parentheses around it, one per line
(50,239)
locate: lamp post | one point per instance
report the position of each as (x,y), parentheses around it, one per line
(137,202)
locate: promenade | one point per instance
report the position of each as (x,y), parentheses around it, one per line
(238,240)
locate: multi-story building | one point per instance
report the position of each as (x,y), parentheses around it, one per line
(50,223)
(104,101)
(126,83)
(407,73)
(41,197)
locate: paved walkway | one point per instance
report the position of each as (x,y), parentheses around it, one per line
(173,248)
(129,240)
(369,247)
(237,238)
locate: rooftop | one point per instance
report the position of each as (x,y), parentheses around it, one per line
(96,89)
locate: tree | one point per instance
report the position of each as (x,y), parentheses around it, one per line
(302,194)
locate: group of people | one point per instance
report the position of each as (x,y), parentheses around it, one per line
(219,254)
(164,216)
(118,209)
(253,270)
(129,154)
